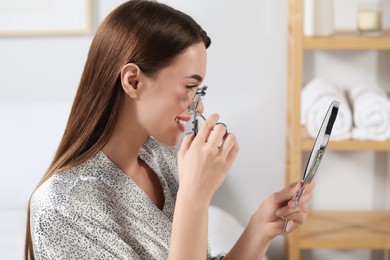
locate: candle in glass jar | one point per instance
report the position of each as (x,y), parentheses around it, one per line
(369,19)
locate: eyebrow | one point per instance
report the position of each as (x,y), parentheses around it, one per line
(195,76)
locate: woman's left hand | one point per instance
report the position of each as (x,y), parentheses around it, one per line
(281,206)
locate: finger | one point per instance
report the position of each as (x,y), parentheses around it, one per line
(287,193)
(229,141)
(294,222)
(310,186)
(306,194)
(304,207)
(226,130)
(285,211)
(297,198)
(233,151)
(186,143)
(207,127)
(304,202)
(216,136)
(297,217)
(291,208)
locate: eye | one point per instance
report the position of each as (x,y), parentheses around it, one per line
(192,87)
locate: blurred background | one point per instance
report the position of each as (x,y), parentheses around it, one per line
(247,79)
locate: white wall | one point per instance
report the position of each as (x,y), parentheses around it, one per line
(247,86)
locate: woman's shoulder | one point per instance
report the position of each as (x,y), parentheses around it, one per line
(56,191)
(71,189)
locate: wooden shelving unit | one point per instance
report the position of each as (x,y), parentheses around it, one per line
(328,229)
(346,230)
(348,40)
(345,145)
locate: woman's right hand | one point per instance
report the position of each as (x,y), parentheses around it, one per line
(205,159)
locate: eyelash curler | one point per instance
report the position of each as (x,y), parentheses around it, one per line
(199,94)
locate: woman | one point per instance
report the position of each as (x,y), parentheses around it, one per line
(112,189)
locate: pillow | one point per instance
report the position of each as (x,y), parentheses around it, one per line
(224,230)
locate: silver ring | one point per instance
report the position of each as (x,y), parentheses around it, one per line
(220,123)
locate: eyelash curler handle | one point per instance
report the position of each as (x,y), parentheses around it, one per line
(196,127)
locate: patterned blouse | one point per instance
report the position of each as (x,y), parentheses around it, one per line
(95,211)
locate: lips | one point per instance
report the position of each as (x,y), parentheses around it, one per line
(181,122)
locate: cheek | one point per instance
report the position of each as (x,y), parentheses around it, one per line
(167,102)
(169,105)
(183,99)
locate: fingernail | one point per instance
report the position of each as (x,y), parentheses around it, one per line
(278,213)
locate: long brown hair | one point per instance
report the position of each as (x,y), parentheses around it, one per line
(146,33)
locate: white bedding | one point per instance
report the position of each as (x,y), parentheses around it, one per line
(224,230)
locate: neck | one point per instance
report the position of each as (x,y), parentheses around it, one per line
(126,140)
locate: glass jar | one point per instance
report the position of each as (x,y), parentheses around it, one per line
(369,19)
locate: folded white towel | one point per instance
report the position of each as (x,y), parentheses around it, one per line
(371,113)
(316,97)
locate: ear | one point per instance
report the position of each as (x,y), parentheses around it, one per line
(130,75)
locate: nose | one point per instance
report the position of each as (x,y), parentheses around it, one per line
(200,107)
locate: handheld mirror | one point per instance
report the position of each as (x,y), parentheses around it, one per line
(317,151)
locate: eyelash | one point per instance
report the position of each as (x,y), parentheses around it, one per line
(191,87)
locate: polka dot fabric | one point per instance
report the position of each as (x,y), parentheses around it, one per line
(95,211)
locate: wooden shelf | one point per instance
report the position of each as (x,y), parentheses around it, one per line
(327,229)
(350,145)
(346,145)
(348,40)
(347,230)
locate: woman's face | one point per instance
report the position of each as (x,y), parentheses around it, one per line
(167,96)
